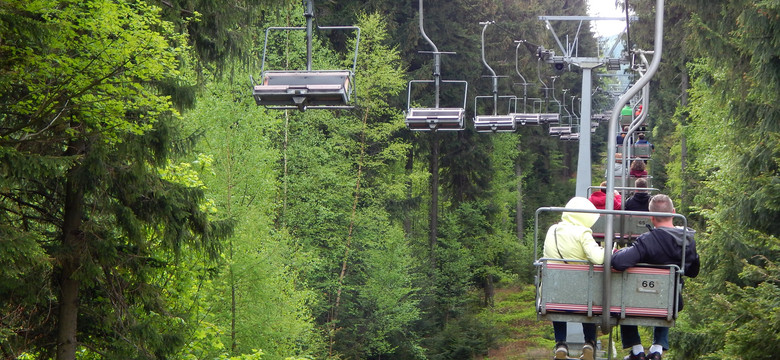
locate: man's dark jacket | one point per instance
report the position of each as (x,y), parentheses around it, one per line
(638,202)
(661,246)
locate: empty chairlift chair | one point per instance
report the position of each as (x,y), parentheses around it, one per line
(536,116)
(560,130)
(436,117)
(494,122)
(306,89)
(430,119)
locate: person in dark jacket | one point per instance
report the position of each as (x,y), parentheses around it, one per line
(640,201)
(662,245)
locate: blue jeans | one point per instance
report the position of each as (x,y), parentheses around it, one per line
(588,330)
(629,335)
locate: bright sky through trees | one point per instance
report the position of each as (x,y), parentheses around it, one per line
(606,8)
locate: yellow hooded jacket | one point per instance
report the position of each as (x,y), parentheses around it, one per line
(574,236)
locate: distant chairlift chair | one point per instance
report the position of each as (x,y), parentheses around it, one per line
(494,122)
(537,117)
(306,89)
(435,118)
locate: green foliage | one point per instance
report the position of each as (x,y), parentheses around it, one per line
(259,267)
(88,212)
(730,125)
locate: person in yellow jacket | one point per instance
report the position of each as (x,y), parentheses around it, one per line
(572,239)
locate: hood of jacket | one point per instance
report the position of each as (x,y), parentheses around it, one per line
(680,234)
(582,219)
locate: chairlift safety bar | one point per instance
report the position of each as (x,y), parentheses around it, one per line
(289,28)
(409,89)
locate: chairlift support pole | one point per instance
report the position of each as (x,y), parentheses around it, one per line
(587,64)
(612,142)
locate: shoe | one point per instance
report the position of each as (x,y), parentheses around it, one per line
(587,352)
(631,356)
(561,351)
(654,356)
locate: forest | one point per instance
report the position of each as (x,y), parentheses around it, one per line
(150,209)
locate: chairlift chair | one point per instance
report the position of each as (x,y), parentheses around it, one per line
(573,290)
(575,136)
(494,122)
(435,118)
(432,119)
(539,115)
(560,130)
(306,89)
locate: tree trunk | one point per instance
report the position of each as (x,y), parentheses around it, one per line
(408,204)
(434,210)
(519,205)
(683,143)
(490,290)
(72,250)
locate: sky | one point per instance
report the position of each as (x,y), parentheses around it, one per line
(606,8)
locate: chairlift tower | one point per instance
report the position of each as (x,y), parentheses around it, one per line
(587,64)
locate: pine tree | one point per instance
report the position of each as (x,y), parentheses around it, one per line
(84,199)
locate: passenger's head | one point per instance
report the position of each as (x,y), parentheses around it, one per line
(603,186)
(661,203)
(638,165)
(584,219)
(641,136)
(640,183)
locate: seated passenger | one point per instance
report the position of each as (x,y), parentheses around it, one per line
(643,141)
(622,135)
(640,201)
(599,198)
(662,245)
(638,169)
(572,239)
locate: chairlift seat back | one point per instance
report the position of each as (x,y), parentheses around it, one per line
(632,179)
(300,89)
(494,123)
(573,291)
(430,119)
(625,228)
(641,150)
(549,118)
(558,130)
(570,137)
(527,118)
